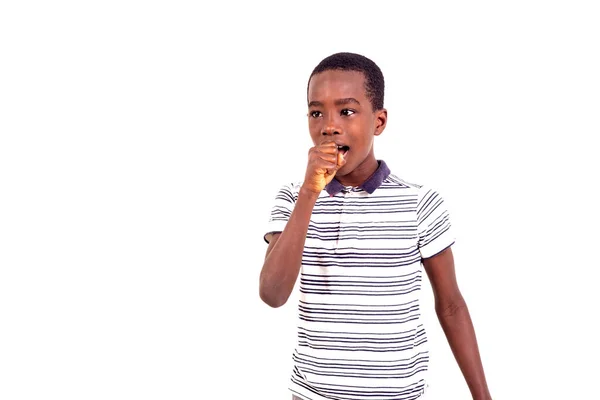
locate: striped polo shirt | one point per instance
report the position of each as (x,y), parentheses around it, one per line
(360,331)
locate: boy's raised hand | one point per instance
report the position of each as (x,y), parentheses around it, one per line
(324,161)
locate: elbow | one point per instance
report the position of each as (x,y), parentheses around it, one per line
(272,300)
(271,297)
(450,307)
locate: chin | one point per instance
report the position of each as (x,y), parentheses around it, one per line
(345,170)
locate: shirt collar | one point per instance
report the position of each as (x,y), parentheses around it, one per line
(372,183)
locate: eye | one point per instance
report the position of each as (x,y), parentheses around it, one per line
(315,114)
(347,112)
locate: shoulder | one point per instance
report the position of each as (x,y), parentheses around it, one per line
(423,192)
(409,187)
(395,180)
(289,191)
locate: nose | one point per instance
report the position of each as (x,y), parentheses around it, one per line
(330,127)
(330,132)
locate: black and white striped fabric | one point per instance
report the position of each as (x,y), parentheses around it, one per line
(360,333)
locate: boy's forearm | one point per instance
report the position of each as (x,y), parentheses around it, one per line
(456,322)
(282,264)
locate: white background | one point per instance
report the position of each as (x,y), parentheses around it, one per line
(142,145)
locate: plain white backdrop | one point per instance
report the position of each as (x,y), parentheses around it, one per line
(142,145)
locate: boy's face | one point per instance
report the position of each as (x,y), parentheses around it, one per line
(339,110)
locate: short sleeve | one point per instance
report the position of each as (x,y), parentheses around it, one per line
(433,223)
(282,209)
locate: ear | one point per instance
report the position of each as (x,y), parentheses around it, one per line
(380,121)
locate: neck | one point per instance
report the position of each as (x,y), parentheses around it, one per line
(360,173)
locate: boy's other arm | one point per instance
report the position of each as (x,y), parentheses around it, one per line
(284,254)
(455,320)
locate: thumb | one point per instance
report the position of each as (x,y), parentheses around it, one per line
(341,161)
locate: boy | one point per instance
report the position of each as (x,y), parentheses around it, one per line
(359,235)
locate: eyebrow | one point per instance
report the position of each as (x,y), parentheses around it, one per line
(338,102)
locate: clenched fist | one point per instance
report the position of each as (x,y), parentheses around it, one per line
(324,160)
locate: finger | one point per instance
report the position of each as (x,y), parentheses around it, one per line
(328,142)
(332,158)
(324,147)
(331,173)
(340,161)
(328,147)
(324,164)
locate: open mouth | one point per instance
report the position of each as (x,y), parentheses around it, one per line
(343,149)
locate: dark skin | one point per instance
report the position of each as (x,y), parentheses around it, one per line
(340,113)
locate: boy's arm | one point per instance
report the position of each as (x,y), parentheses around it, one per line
(455,320)
(284,254)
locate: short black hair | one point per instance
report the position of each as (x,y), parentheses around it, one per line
(374,82)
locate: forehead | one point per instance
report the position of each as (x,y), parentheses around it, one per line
(335,84)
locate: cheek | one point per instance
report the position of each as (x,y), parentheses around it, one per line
(364,143)
(314,137)
(314,129)
(313,126)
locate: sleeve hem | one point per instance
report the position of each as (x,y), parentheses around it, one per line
(436,247)
(274,227)
(270,233)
